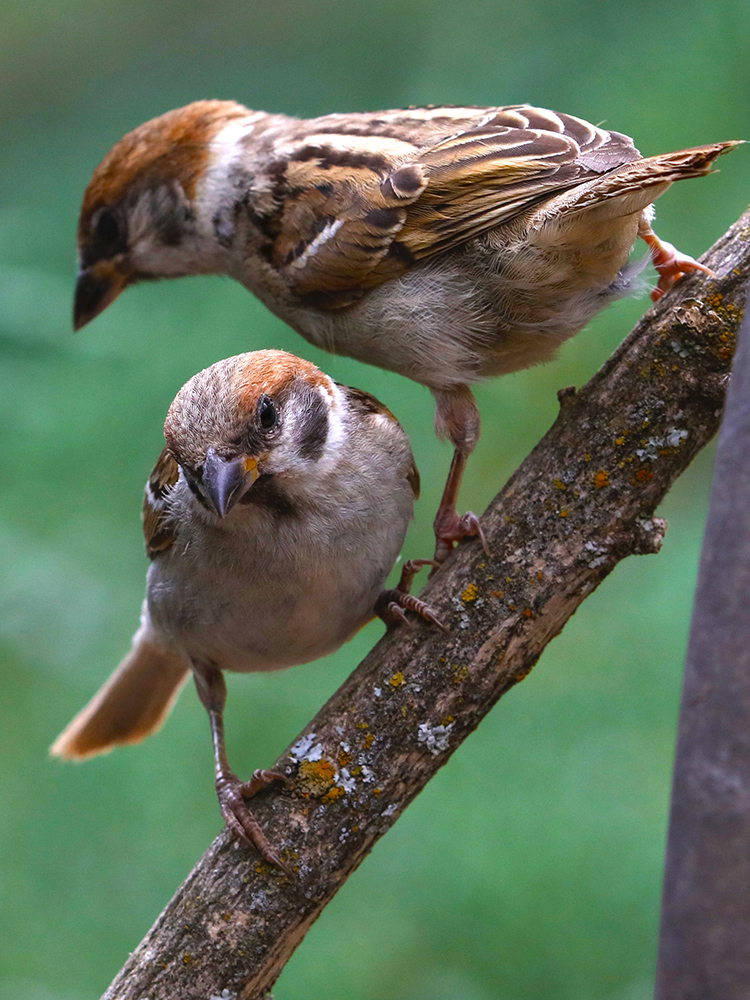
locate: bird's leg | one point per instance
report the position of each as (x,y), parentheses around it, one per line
(456,417)
(391,604)
(668,261)
(231,792)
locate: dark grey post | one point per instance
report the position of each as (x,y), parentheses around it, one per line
(704,942)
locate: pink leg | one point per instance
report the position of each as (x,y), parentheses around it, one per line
(456,417)
(668,261)
(230,791)
(449,525)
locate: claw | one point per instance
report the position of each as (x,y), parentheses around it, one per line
(240,820)
(390,604)
(261,777)
(670,264)
(450,528)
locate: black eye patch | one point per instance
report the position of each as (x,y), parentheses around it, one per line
(107,227)
(108,237)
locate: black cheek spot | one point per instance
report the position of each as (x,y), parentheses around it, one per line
(314,428)
(167,210)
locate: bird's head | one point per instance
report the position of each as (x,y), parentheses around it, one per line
(252,417)
(139,218)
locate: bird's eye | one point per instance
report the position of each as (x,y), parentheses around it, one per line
(107,227)
(267,414)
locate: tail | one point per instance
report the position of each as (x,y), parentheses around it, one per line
(133,703)
(634,186)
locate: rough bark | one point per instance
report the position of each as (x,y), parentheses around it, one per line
(582,500)
(704,946)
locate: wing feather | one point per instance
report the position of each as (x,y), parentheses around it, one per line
(364,196)
(158,529)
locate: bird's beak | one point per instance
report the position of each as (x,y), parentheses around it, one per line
(97,287)
(226,480)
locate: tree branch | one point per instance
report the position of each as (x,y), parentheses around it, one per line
(582,500)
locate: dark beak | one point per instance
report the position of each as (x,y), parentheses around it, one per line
(97,287)
(226,480)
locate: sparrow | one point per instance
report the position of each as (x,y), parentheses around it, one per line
(448,244)
(271,519)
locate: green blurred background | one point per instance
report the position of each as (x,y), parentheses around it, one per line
(531,866)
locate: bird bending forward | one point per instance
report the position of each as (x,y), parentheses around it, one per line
(447,244)
(271,519)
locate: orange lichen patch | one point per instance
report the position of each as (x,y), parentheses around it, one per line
(316,776)
(173,146)
(587,457)
(345,758)
(601,479)
(498,593)
(446,720)
(397,680)
(563,513)
(559,484)
(642,476)
(187,958)
(521,673)
(362,725)
(334,793)
(267,372)
(620,440)
(377,791)
(368,741)
(470,594)
(528,613)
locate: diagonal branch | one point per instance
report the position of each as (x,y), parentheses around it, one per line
(582,500)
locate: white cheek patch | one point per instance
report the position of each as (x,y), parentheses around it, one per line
(335,445)
(216,186)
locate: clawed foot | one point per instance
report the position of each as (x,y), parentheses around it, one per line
(451,528)
(392,604)
(669,262)
(232,792)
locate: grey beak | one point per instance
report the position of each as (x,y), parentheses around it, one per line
(225,480)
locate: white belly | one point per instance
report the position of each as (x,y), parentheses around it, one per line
(253,606)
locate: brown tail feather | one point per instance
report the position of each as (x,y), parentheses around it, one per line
(666,167)
(634,186)
(130,706)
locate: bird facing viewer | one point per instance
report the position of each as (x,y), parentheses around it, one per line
(272,519)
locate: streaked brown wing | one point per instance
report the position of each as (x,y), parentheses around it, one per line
(365,197)
(343,202)
(487,175)
(158,529)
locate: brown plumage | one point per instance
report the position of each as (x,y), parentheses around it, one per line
(447,244)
